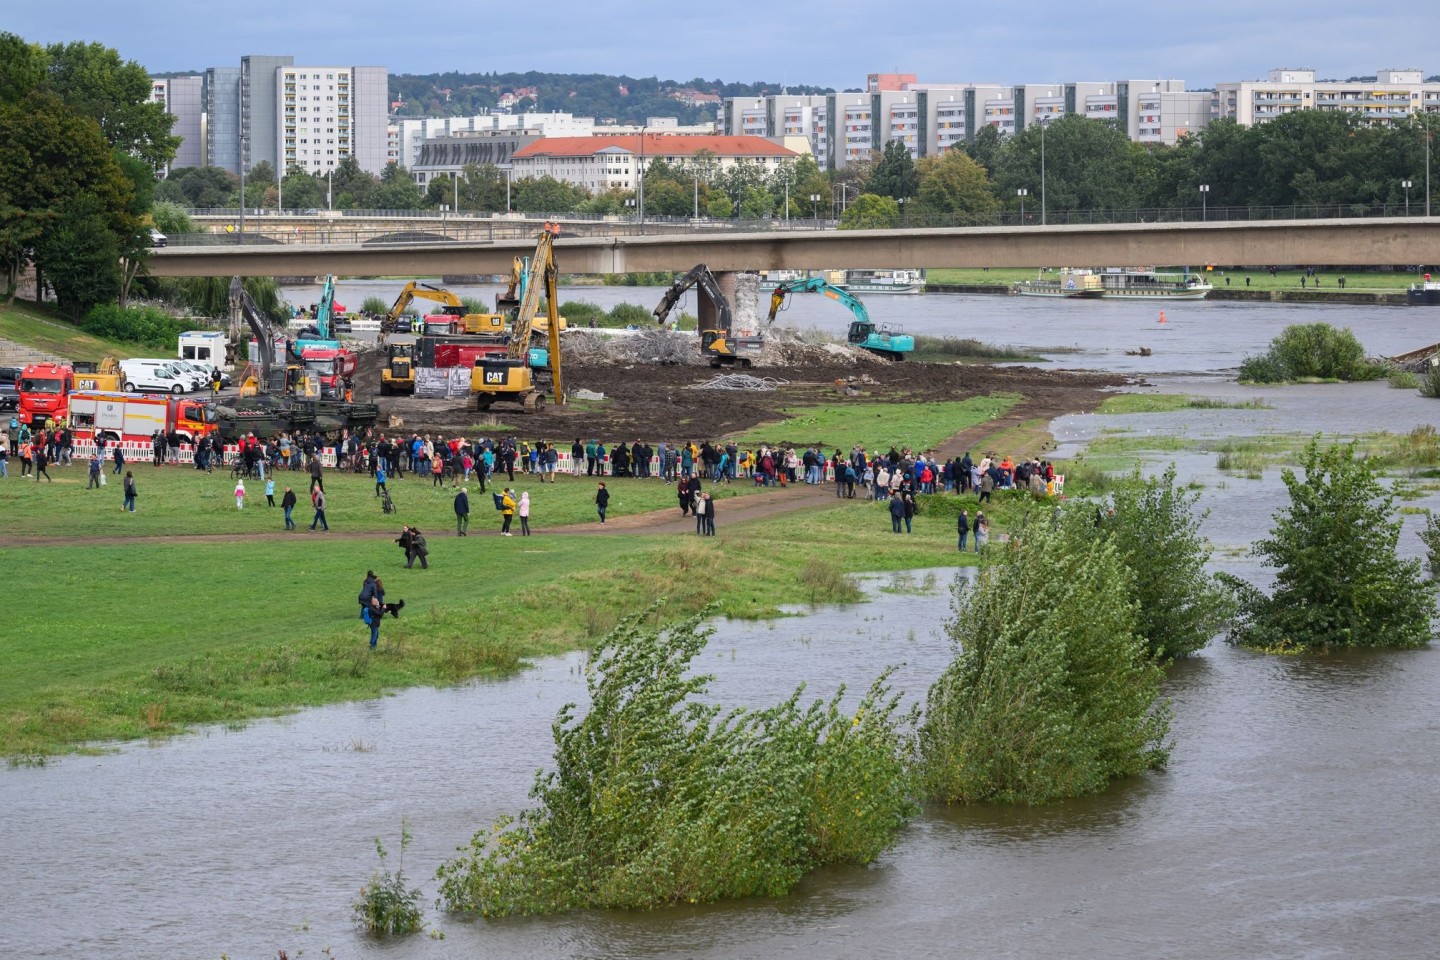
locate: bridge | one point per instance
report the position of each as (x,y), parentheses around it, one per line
(1354,242)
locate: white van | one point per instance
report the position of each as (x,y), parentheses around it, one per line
(141,376)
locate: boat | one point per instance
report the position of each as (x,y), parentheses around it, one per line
(1116,283)
(1426,294)
(770,279)
(1143,283)
(1070,284)
(884,281)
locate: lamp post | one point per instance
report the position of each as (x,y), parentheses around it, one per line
(1407,185)
(280,190)
(640,206)
(1022,193)
(1204,201)
(1044,122)
(444,225)
(696,176)
(330,189)
(815,207)
(508,172)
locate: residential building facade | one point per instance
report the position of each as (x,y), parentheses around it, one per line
(1393,95)
(183,99)
(606,162)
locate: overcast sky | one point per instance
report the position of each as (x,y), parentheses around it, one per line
(825,42)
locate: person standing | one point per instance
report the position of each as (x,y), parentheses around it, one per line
(602,501)
(524,510)
(437,471)
(507,511)
(372,605)
(380,487)
(288,502)
(897,513)
(240,494)
(40,462)
(964,528)
(129,488)
(577,457)
(709,515)
(317,497)
(94,472)
(697,505)
(270,491)
(462,513)
(417,548)
(317,478)
(909,500)
(982,531)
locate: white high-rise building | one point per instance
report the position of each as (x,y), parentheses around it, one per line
(325,114)
(1392,95)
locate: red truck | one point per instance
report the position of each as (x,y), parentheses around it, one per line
(333,368)
(44,391)
(124,416)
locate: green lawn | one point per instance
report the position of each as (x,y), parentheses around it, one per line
(182,500)
(918,426)
(31,326)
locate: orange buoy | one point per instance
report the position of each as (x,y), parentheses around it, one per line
(1162,316)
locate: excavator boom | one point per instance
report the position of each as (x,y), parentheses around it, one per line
(718,340)
(885,340)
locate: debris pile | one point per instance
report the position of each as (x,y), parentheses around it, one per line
(740,381)
(785,347)
(666,347)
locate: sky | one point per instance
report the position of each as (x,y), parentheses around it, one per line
(832,43)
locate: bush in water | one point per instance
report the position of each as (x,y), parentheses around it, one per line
(1340,581)
(1311,350)
(375,306)
(385,905)
(1429,383)
(1051,693)
(657,798)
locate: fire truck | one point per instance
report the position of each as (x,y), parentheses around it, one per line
(126,416)
(331,367)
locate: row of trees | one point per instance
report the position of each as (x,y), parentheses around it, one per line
(79,144)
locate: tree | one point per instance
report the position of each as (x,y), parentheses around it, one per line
(80,256)
(199,187)
(986,147)
(869,212)
(482,187)
(22,67)
(171,218)
(952,184)
(1051,693)
(1156,534)
(895,174)
(546,195)
(1088,165)
(93,80)
(1340,581)
(302,191)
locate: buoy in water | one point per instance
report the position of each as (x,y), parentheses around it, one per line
(1162,316)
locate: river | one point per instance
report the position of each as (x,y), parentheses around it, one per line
(1295,820)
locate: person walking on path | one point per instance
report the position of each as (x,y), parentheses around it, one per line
(982,531)
(897,513)
(317,497)
(270,491)
(524,509)
(964,527)
(240,494)
(507,511)
(417,548)
(372,605)
(602,501)
(288,502)
(709,515)
(95,473)
(129,488)
(462,513)
(41,459)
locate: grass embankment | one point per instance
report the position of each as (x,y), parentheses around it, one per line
(1355,281)
(148,638)
(180,500)
(1122,403)
(878,426)
(41,329)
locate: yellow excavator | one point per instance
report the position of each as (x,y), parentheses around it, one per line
(507,304)
(507,377)
(450,306)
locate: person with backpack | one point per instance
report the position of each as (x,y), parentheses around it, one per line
(372,605)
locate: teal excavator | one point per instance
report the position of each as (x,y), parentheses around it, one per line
(886,339)
(319,335)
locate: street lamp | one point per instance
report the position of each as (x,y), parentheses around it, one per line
(815,207)
(1407,185)
(1022,193)
(1204,201)
(901,201)
(1044,122)
(696,176)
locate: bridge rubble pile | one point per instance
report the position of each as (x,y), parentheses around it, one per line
(787,347)
(665,347)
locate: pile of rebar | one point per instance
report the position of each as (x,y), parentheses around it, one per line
(740,381)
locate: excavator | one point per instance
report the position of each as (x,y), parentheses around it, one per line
(718,341)
(886,340)
(508,377)
(507,304)
(450,306)
(319,335)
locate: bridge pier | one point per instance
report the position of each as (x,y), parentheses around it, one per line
(742,290)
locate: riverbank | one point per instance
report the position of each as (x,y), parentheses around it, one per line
(1376,297)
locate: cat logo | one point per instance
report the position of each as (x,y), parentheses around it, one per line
(496,377)
(83,384)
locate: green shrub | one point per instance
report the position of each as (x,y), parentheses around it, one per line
(1311,351)
(147,326)
(385,905)
(657,798)
(628,314)
(579,313)
(1430,536)
(1339,580)
(1430,383)
(1404,380)
(1051,693)
(374,305)
(1262,369)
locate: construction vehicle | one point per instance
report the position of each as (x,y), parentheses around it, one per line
(508,377)
(43,390)
(398,374)
(319,335)
(887,340)
(123,416)
(718,340)
(451,318)
(333,370)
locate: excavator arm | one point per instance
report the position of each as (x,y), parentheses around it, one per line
(325,314)
(415,290)
(242,307)
(699,276)
(816,285)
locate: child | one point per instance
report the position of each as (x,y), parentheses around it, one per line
(239,494)
(270,491)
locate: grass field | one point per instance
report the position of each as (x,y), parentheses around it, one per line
(182,500)
(918,426)
(1355,280)
(42,330)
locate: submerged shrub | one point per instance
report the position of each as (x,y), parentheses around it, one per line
(1052,693)
(657,798)
(1430,383)
(385,905)
(1311,350)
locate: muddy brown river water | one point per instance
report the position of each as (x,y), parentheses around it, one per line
(1296,820)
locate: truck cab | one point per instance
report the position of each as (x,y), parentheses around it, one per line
(44,391)
(332,368)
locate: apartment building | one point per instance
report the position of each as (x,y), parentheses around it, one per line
(1392,95)
(183,99)
(604,162)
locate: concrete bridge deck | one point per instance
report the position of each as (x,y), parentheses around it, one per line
(1359,242)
